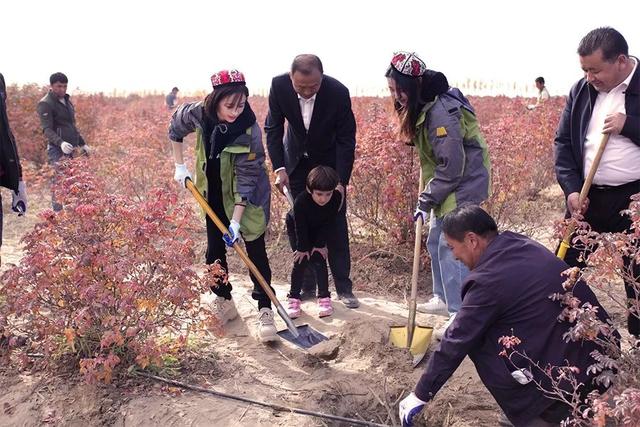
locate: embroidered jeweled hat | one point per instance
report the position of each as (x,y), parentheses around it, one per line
(408,63)
(227,77)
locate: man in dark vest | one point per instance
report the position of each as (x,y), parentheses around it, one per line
(58,120)
(605,101)
(321,131)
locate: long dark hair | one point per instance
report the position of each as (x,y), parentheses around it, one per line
(408,114)
(212,100)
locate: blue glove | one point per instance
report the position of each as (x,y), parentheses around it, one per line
(234,233)
(419,213)
(19,200)
(409,407)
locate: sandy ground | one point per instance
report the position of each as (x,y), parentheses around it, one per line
(346,385)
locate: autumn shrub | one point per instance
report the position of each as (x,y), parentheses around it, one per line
(107,278)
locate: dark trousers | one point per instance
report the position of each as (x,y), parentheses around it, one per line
(603,215)
(217,250)
(337,242)
(1,220)
(319,268)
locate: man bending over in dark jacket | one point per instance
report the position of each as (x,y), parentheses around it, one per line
(506,293)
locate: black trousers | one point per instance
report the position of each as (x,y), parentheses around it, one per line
(603,214)
(337,242)
(319,268)
(1,220)
(217,250)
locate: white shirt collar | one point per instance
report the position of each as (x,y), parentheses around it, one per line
(627,81)
(313,98)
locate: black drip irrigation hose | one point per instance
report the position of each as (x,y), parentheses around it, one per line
(277,407)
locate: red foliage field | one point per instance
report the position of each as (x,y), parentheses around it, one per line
(128,229)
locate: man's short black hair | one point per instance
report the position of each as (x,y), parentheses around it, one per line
(606,38)
(306,63)
(175,89)
(322,178)
(540,80)
(468,218)
(58,78)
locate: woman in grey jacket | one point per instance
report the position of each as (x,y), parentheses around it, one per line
(230,173)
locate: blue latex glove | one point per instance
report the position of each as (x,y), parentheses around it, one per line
(19,199)
(234,233)
(409,407)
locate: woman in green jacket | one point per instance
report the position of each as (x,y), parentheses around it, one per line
(231,175)
(454,161)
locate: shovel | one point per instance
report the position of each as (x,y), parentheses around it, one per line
(413,337)
(584,192)
(303,336)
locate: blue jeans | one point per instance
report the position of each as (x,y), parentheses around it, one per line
(448,273)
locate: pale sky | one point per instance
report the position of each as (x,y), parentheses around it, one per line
(155,45)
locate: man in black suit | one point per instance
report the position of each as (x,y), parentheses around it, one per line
(321,131)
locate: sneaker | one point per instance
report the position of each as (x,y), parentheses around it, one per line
(266,325)
(349,300)
(224,309)
(324,307)
(293,308)
(434,306)
(439,332)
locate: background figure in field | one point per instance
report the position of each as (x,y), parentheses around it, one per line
(171,98)
(230,174)
(543,93)
(58,120)
(10,169)
(606,100)
(321,131)
(454,161)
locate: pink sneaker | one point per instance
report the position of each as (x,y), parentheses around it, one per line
(293,308)
(325,307)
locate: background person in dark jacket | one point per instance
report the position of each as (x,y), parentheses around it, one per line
(10,169)
(58,120)
(606,100)
(171,98)
(506,293)
(321,131)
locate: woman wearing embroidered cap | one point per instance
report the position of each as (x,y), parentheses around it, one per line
(454,160)
(230,173)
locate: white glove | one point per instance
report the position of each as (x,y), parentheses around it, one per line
(85,149)
(66,147)
(181,174)
(234,233)
(409,407)
(419,213)
(19,200)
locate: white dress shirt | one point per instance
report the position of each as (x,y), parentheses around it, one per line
(620,162)
(306,108)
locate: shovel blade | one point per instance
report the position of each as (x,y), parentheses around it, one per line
(419,343)
(307,338)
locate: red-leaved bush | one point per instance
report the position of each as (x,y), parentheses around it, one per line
(107,277)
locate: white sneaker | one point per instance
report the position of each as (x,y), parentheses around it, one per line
(439,332)
(223,309)
(434,306)
(266,325)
